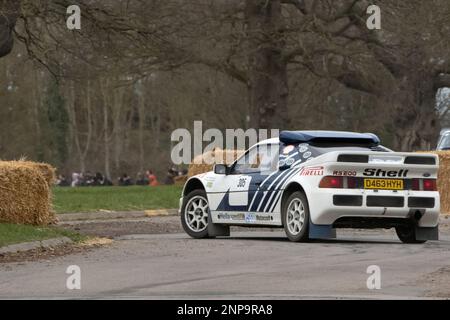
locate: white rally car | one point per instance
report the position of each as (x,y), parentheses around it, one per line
(312,182)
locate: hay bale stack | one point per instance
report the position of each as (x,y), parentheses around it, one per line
(205,162)
(25,193)
(45,169)
(180,180)
(444,179)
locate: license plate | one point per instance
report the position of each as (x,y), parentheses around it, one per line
(383,184)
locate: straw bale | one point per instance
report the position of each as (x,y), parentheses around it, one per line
(444,179)
(180,180)
(205,162)
(25,193)
(45,169)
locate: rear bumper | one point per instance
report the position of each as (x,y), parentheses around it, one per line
(328,205)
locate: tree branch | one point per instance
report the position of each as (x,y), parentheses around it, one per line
(225,67)
(299,4)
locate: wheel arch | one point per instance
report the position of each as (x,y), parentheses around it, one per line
(193,184)
(290,189)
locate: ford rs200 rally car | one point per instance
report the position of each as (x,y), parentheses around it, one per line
(312,182)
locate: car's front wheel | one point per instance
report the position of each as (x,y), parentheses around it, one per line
(295,217)
(194,214)
(407,234)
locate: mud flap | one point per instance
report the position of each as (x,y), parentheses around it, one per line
(217,230)
(423,234)
(321,231)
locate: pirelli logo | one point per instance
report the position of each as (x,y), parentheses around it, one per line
(312,171)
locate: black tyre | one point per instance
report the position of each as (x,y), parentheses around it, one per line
(407,234)
(194,214)
(295,217)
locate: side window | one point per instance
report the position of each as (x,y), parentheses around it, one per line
(259,159)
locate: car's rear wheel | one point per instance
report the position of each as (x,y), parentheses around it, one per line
(295,216)
(407,234)
(195,214)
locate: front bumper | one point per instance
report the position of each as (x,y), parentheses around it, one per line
(325,209)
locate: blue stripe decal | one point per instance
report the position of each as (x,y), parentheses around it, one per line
(277,190)
(272,176)
(224,204)
(276,201)
(279,196)
(261,196)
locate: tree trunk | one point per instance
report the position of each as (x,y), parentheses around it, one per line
(141,110)
(36,110)
(415,119)
(268,83)
(117,129)
(106,141)
(104,84)
(10,11)
(417,134)
(82,151)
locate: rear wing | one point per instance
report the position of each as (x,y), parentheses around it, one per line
(330,138)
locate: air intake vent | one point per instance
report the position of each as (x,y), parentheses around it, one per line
(420,160)
(376,201)
(347,201)
(417,202)
(356,158)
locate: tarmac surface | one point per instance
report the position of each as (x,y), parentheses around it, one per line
(247,265)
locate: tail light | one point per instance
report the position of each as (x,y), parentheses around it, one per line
(353,183)
(415,184)
(424,185)
(332,182)
(429,185)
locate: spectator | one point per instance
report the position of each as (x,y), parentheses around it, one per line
(100,180)
(142,180)
(152,180)
(62,181)
(97,180)
(76,179)
(170,177)
(125,180)
(183,172)
(89,179)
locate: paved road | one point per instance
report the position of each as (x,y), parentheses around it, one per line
(247,265)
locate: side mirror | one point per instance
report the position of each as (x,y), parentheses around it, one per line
(221,169)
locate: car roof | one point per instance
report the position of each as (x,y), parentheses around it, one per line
(269,141)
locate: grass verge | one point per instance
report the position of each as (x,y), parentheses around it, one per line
(135,198)
(13,233)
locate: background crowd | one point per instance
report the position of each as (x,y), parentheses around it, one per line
(147,178)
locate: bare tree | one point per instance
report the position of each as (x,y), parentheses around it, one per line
(159,65)
(9,12)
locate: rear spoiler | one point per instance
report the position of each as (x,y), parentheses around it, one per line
(330,138)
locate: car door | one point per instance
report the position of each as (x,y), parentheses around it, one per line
(246,179)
